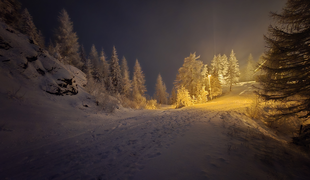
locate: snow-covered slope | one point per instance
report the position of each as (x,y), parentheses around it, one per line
(48,136)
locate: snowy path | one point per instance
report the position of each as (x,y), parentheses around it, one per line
(211,141)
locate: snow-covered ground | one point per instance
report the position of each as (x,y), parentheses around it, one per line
(57,139)
(45,136)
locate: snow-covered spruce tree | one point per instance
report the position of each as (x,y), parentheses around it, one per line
(104,69)
(249,71)
(215,85)
(138,84)
(287,65)
(83,59)
(115,73)
(233,73)
(67,40)
(27,26)
(126,91)
(219,66)
(183,97)
(160,93)
(10,12)
(189,74)
(94,58)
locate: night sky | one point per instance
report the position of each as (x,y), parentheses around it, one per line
(161,33)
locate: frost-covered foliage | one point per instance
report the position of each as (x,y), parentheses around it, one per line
(233,72)
(115,74)
(215,85)
(190,74)
(126,89)
(161,94)
(219,65)
(67,40)
(183,98)
(286,68)
(152,104)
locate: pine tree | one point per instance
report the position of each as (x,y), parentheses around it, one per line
(286,66)
(219,66)
(10,12)
(138,82)
(161,94)
(189,74)
(233,73)
(115,73)
(28,27)
(104,70)
(83,59)
(249,71)
(215,87)
(68,40)
(126,80)
(94,58)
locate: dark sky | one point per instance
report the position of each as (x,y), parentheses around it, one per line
(161,33)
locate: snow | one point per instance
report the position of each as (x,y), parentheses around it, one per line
(44,136)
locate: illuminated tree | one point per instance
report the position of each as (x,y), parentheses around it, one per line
(215,85)
(190,74)
(233,73)
(183,97)
(115,73)
(67,40)
(126,80)
(219,66)
(249,71)
(286,68)
(161,94)
(138,82)
(94,58)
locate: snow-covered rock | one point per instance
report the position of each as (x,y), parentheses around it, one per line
(18,55)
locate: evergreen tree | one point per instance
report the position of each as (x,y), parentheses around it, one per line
(10,12)
(215,87)
(94,58)
(173,96)
(28,27)
(126,80)
(286,66)
(83,59)
(138,82)
(161,94)
(233,73)
(183,97)
(189,74)
(115,73)
(219,66)
(249,71)
(104,71)
(68,40)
